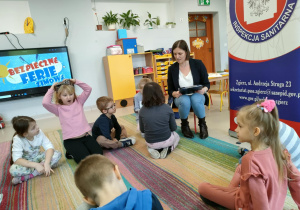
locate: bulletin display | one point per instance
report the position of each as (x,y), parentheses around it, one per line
(264,56)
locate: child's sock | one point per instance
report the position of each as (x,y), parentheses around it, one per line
(20,179)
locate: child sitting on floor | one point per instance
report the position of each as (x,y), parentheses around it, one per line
(157,121)
(138,100)
(289,139)
(106,129)
(261,181)
(69,108)
(27,160)
(101,184)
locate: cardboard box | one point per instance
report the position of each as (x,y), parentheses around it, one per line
(140,49)
(122,33)
(129,45)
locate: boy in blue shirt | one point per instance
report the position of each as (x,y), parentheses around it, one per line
(106,129)
(102,186)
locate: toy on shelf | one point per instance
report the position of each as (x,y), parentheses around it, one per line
(2,124)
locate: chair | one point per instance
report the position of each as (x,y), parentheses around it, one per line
(175,109)
(223,89)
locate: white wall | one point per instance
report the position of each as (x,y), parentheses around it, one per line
(87,46)
(7,16)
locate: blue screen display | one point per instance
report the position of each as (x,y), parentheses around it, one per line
(29,72)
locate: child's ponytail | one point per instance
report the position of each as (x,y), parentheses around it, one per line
(264,114)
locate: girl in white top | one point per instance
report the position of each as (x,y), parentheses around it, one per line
(27,160)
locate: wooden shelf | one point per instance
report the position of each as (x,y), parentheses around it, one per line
(143,74)
(160,68)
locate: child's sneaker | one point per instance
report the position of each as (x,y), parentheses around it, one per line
(128,141)
(154,153)
(2,124)
(69,156)
(164,153)
(242,151)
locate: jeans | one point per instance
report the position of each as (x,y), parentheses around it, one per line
(185,102)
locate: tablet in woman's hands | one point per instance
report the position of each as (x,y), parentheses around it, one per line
(190,89)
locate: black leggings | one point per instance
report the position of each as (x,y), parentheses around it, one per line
(82,147)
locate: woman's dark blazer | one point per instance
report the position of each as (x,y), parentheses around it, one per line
(199,73)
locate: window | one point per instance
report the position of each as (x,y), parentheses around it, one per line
(197,25)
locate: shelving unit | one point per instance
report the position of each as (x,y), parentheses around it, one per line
(140,60)
(161,66)
(120,79)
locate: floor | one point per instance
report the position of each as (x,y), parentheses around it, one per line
(217,122)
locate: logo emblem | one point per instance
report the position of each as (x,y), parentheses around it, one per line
(260,20)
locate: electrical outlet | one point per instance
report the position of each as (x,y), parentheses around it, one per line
(181,19)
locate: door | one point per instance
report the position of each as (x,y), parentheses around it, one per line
(201,39)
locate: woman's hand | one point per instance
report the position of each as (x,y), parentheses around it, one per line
(176,94)
(48,169)
(203,90)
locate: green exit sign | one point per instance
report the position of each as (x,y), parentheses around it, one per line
(204,2)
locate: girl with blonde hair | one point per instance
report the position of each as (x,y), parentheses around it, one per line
(265,173)
(76,130)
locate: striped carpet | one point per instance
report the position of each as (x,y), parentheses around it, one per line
(174,180)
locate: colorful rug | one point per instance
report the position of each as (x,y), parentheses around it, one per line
(174,180)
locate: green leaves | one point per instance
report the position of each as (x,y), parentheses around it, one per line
(170,23)
(150,21)
(110,18)
(129,19)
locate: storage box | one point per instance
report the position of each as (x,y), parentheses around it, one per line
(129,45)
(122,33)
(140,49)
(147,69)
(114,50)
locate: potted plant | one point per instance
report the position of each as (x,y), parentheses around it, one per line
(157,21)
(98,26)
(170,24)
(110,20)
(150,21)
(129,19)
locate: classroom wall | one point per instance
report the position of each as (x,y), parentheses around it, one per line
(87,46)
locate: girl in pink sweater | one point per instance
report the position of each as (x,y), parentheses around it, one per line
(78,141)
(261,181)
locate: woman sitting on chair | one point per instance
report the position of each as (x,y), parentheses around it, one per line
(187,72)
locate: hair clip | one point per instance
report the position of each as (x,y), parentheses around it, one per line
(267,105)
(65,82)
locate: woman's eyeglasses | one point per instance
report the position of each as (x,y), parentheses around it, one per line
(111,107)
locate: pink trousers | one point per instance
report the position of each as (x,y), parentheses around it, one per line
(224,196)
(172,141)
